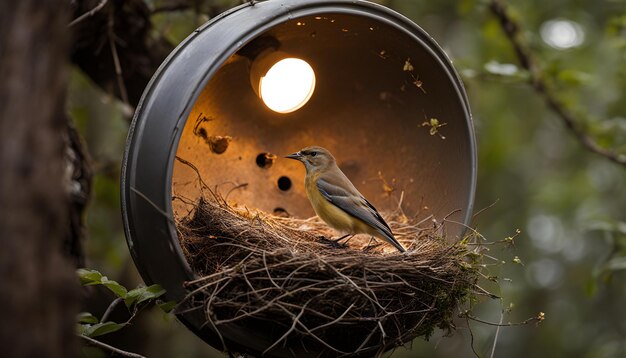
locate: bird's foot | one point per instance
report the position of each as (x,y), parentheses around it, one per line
(369,246)
(341,238)
(329,242)
(367,249)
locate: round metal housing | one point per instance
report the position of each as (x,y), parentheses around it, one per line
(388,104)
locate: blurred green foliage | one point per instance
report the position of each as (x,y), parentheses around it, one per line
(569,204)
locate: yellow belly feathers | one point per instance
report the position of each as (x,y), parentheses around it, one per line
(332,215)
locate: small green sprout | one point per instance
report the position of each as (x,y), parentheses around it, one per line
(407,65)
(434,125)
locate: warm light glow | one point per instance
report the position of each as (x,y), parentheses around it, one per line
(288,85)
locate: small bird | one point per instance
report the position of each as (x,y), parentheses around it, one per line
(335,199)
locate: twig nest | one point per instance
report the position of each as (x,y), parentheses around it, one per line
(297,288)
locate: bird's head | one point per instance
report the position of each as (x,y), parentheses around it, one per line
(313,158)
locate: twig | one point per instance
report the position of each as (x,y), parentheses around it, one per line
(88,13)
(210,321)
(237,186)
(338,319)
(116,61)
(469,327)
(111,348)
(495,338)
(268,272)
(474,231)
(155,206)
(270,269)
(485,208)
(526,58)
(195,169)
(527,321)
(296,320)
(110,309)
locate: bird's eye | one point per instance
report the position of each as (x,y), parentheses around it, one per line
(313,154)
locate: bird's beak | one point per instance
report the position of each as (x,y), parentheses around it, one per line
(296,156)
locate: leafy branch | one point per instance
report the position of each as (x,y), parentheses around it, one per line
(479,259)
(539,83)
(135,300)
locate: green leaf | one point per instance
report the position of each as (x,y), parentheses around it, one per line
(80,328)
(89,277)
(142,294)
(93,277)
(86,317)
(118,289)
(156,290)
(102,329)
(167,306)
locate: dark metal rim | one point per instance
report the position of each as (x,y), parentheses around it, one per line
(266,15)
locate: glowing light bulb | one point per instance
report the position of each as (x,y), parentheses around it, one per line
(288,85)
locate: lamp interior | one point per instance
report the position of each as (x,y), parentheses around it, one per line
(376,86)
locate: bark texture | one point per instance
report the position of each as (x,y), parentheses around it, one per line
(38,285)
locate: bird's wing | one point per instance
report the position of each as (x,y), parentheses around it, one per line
(356,205)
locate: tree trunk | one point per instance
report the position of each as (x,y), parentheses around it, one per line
(39,288)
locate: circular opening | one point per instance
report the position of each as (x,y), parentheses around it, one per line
(406,78)
(281,212)
(288,85)
(265,160)
(284,183)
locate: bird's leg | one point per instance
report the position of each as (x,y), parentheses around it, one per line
(344,244)
(334,242)
(369,246)
(341,238)
(350,238)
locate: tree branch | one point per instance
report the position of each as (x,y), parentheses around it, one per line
(107,313)
(537,80)
(135,49)
(88,13)
(116,46)
(103,345)
(119,76)
(538,319)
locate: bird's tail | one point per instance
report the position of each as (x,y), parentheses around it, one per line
(388,236)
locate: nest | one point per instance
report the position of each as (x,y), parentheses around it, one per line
(301,291)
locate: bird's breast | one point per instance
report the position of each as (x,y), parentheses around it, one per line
(331,214)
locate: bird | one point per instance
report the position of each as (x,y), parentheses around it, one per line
(336,200)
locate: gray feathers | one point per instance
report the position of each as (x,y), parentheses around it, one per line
(352,202)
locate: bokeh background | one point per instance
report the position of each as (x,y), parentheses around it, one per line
(568,203)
